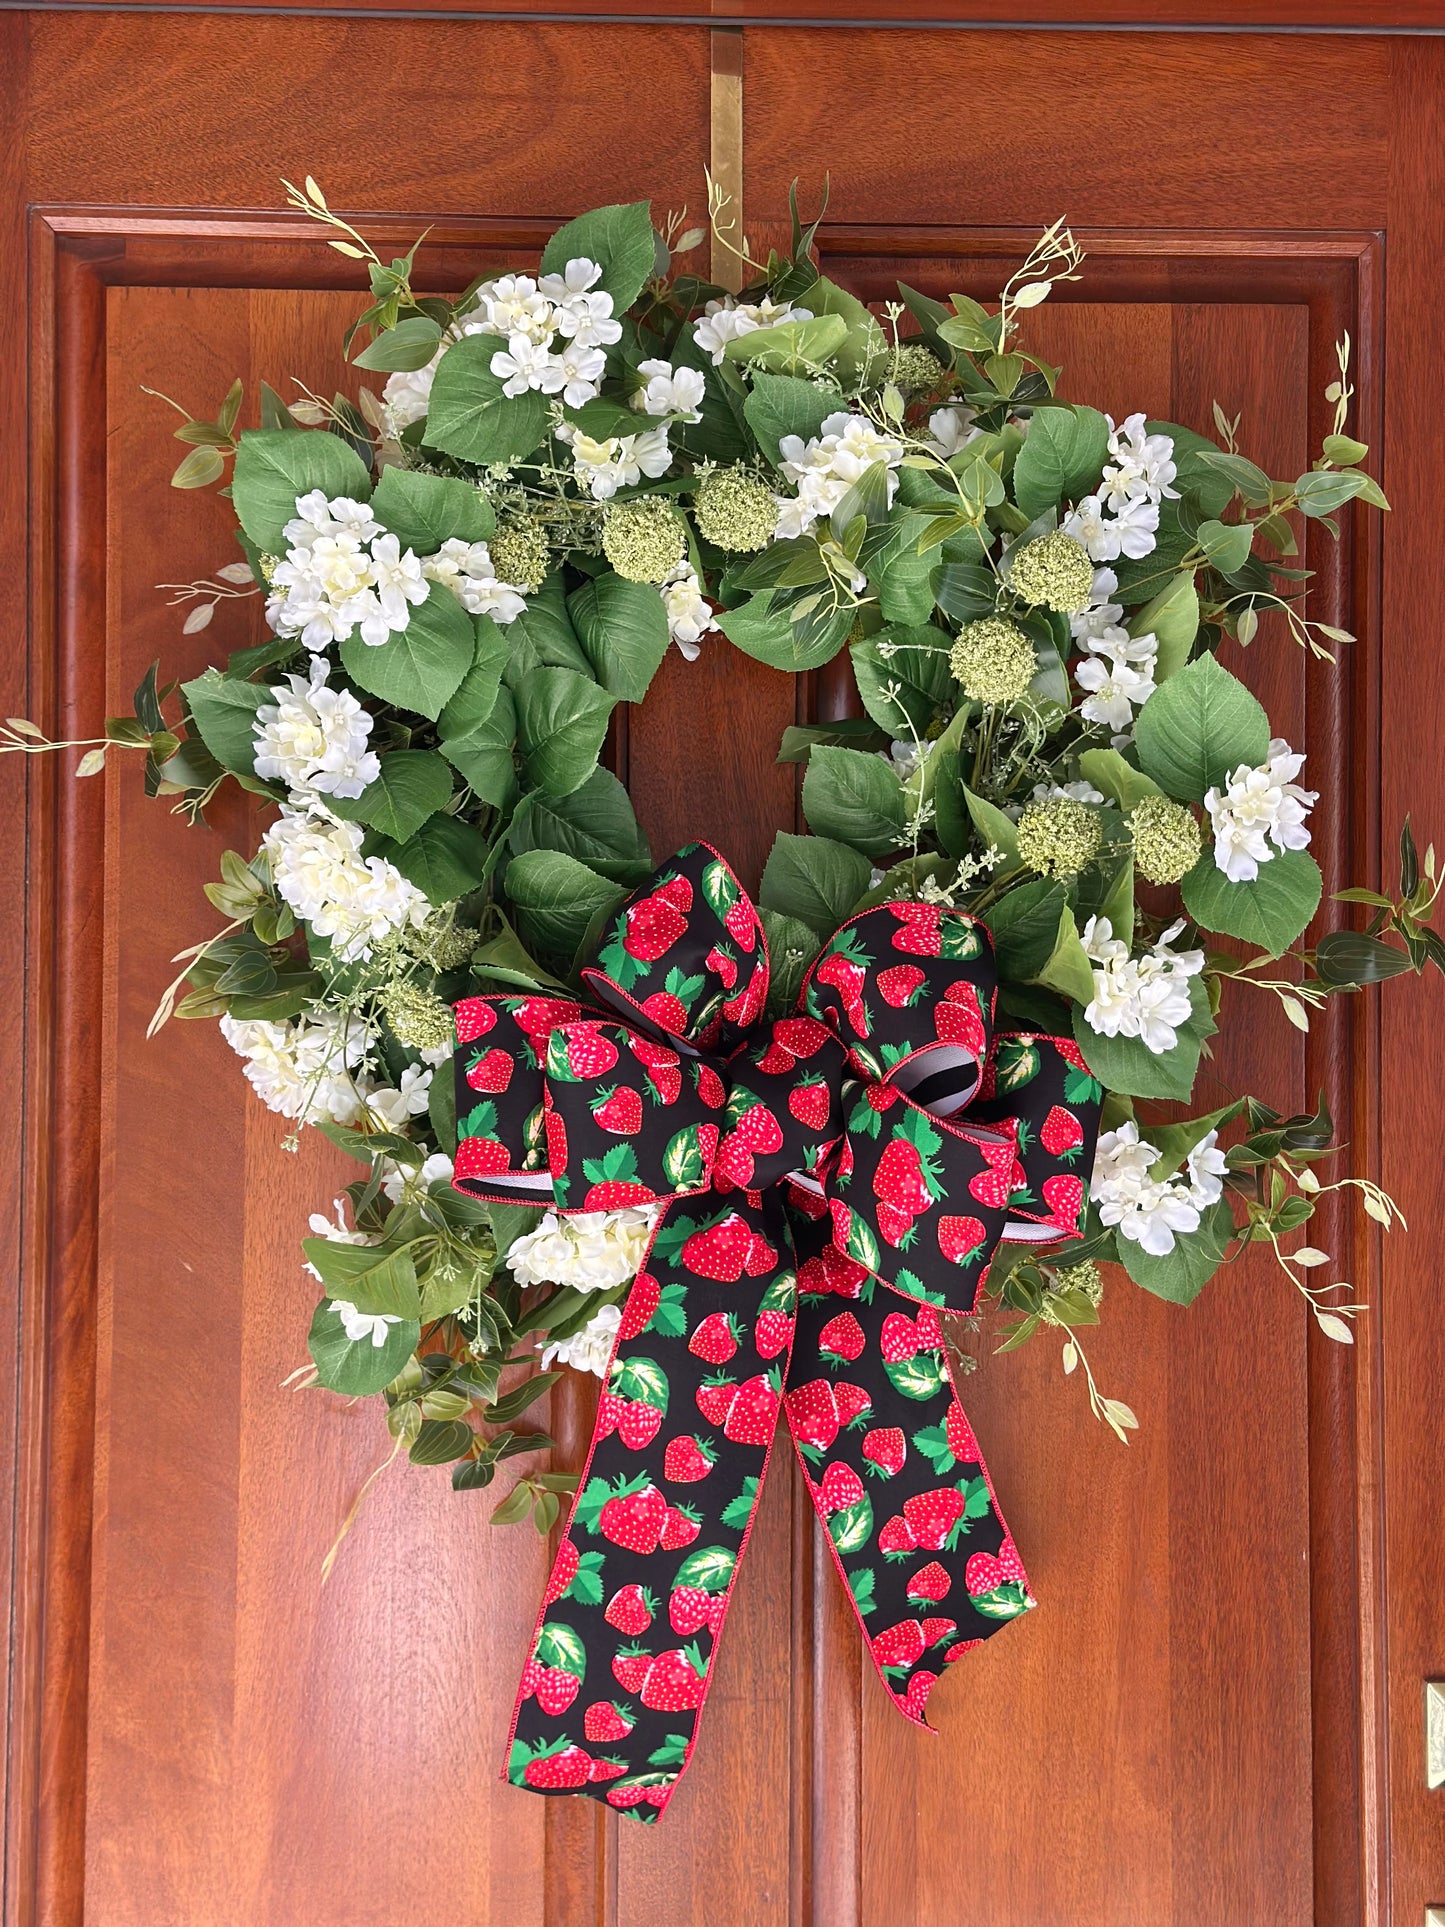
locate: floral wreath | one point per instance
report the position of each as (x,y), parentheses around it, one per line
(567,471)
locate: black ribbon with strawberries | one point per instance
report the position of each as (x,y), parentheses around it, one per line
(827,1182)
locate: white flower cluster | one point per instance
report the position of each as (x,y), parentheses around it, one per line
(313,739)
(588,1350)
(1145,997)
(304,1069)
(1150,1212)
(1117,672)
(1122,518)
(466,569)
(318,869)
(825,468)
(616,461)
(672,392)
(342,573)
(557,330)
(1258,807)
(728,320)
(588,1251)
(689,614)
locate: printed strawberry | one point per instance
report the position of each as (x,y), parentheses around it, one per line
(555,1134)
(907,1174)
(741,922)
(669,1013)
(475,1016)
(885,1449)
(630,1610)
(491,1072)
(723,964)
(1065,1198)
(564,1571)
(680,1527)
(959,1648)
(630,1668)
(961,1442)
(753,1415)
(580,1051)
(935,1630)
(853,1404)
(900,984)
(839,1486)
(772,1332)
(653,925)
(900,1645)
(920,1685)
(699,1591)
(811,1104)
(676,1681)
(716,1338)
(710,1087)
(761,1258)
(716,1398)
(612,1179)
(894,1227)
(631,1516)
(930,1583)
(841,1338)
(961,1239)
(1061,1134)
(690,1609)
(900,1338)
(845,969)
(720,1251)
(920,933)
(619,1110)
(556,1690)
(481,1157)
(607,1720)
(932,1516)
(606,1770)
(686,1460)
(538,1017)
(637,1424)
(896,1539)
(800,1036)
(650,1054)
(957,1019)
(992,1185)
(652,1789)
(755,1125)
(987,1572)
(642,1302)
(552,1771)
(813,1414)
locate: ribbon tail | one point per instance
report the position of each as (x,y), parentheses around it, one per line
(900,1486)
(622,1656)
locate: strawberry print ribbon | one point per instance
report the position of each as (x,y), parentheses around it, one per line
(828,1181)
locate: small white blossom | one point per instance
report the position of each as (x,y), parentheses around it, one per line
(824,469)
(319,871)
(1206,1165)
(618,461)
(589,1350)
(406,395)
(393,1108)
(305,1068)
(1145,997)
(314,738)
(674,392)
(1258,807)
(399,1182)
(689,614)
(1079,792)
(1101,613)
(513,305)
(1143,464)
(522,364)
(466,569)
(950,429)
(1147,1211)
(341,573)
(724,321)
(588,1251)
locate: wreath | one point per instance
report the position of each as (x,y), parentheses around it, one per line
(949,1054)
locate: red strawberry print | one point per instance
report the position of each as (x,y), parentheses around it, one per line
(607,1769)
(895,1227)
(634,1520)
(676,1681)
(734,1162)
(719,1252)
(612,1194)
(930,1582)
(961,1239)
(957,1019)
(689,1609)
(919,935)
(916,1698)
(716,1338)
(680,1527)
(620,1111)
(669,1013)
(885,1449)
(685,1461)
(607,1720)
(723,965)
(761,1257)
(586,1051)
(772,1332)
(569,1768)
(842,1337)
(839,1486)
(642,1302)
(810,1104)
(753,1415)
(900,984)
(492,1072)
(538,1017)
(852,1402)
(741,923)
(637,1424)
(630,1610)
(1065,1198)
(474,1018)
(959,1648)
(992,1185)
(653,926)
(710,1087)
(882,1097)
(564,1571)
(1071,1054)
(556,1689)
(961,1442)
(896,1541)
(932,1516)
(758,1129)
(899,1179)
(900,1645)
(848,979)
(813,1413)
(986,1571)
(555,1131)
(654,1790)
(1061,1133)
(800,1036)
(900,1338)
(481,1157)
(677,891)
(716,1398)
(630,1668)
(935,1630)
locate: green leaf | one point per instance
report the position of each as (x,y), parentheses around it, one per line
(1025,926)
(779,405)
(422,666)
(761,628)
(358,1370)
(476,694)
(405,348)
(561,722)
(1183,1274)
(484,753)
(1233,472)
(225,713)
(1197,727)
(1227,544)
(902,691)
(274,466)
(366,1276)
(444,859)
(1271,910)
(413,785)
(1173,616)
(992,825)
(1061,459)
(788,347)
(595,824)
(814,879)
(1126,1065)
(619,239)
(556,898)
(424,511)
(542,637)
(1350,957)
(792,946)
(468,415)
(854,798)
(441,1440)
(1067,968)
(1108,771)
(1174,1142)
(622,627)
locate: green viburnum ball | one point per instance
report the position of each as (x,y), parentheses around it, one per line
(1085,1279)
(519,553)
(643,540)
(734,510)
(1053,572)
(1060,837)
(994,661)
(1166,837)
(417,1017)
(440,942)
(916,369)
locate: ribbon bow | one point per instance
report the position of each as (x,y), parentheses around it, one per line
(823,1184)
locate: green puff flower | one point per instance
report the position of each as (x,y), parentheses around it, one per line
(1053,572)
(520,554)
(440,942)
(418,1018)
(994,661)
(643,540)
(916,369)
(734,510)
(1085,1280)
(268,565)
(1166,837)
(1060,837)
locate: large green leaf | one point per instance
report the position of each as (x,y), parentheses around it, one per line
(903,676)
(1067,968)
(475,696)
(413,785)
(814,879)
(779,405)
(556,898)
(993,826)
(1126,1065)
(444,859)
(358,1369)
(1025,926)
(1172,616)
(622,627)
(404,347)
(1271,910)
(469,416)
(792,946)
(855,798)
(619,239)
(366,1276)
(419,668)
(1197,727)
(595,824)
(426,510)
(561,722)
(1061,459)
(761,627)
(542,637)
(1183,1274)
(225,713)
(484,754)
(789,347)
(274,466)
(1108,771)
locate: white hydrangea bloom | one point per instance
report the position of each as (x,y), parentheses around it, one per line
(306,1068)
(313,738)
(1101,613)
(392,1109)
(588,1251)
(1258,807)
(1143,465)
(1145,997)
(824,469)
(618,461)
(589,1350)
(950,429)
(1128,531)
(406,395)
(466,569)
(727,320)
(556,330)
(689,613)
(398,1182)
(907,757)
(674,392)
(341,573)
(1079,792)
(319,871)
(1149,1212)
(1206,1165)
(1117,675)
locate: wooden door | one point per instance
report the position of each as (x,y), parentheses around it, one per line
(1215,1718)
